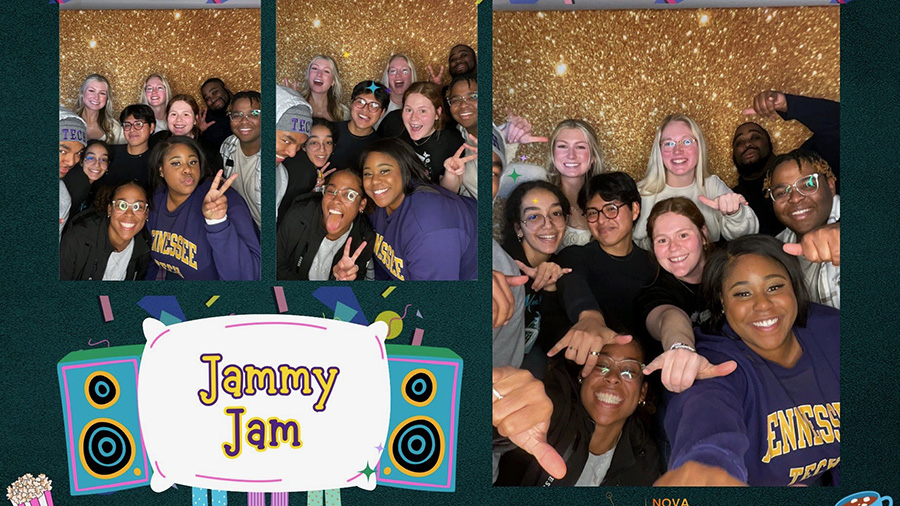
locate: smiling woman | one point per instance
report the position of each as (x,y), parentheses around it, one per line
(776,419)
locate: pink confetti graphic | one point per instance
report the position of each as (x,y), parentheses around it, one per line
(107,309)
(280,300)
(98,342)
(404,311)
(417,337)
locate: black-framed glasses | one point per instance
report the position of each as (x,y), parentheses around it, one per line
(805,185)
(137,125)
(361,103)
(347,194)
(123,205)
(536,221)
(592,214)
(669,145)
(239,115)
(102,160)
(628,369)
(457,100)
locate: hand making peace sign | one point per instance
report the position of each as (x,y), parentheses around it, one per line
(215,204)
(346,269)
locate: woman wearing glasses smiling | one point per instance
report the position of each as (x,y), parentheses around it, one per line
(326,235)
(108,248)
(596,423)
(536,214)
(678,168)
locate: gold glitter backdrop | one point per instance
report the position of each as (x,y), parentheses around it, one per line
(186,46)
(624,71)
(361,36)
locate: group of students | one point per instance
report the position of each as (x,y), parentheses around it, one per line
(382,187)
(179,186)
(600,280)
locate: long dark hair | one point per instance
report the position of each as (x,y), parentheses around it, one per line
(720,263)
(161,150)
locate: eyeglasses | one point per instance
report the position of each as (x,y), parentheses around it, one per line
(393,72)
(123,205)
(102,160)
(535,221)
(239,115)
(361,103)
(347,195)
(318,144)
(805,185)
(629,369)
(137,125)
(609,210)
(670,144)
(457,100)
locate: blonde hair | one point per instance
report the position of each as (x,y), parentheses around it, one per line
(338,110)
(655,179)
(385,78)
(590,135)
(106,119)
(165,83)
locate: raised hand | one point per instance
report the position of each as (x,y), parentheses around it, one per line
(504,304)
(518,130)
(290,83)
(820,245)
(436,79)
(680,367)
(203,124)
(215,204)
(767,104)
(522,414)
(544,275)
(726,203)
(321,174)
(346,269)
(456,164)
(585,339)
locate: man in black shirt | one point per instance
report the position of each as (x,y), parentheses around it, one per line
(129,161)
(215,126)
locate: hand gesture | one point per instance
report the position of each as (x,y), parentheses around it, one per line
(585,339)
(436,79)
(321,174)
(290,83)
(215,204)
(346,269)
(544,275)
(726,203)
(820,245)
(203,124)
(680,367)
(522,414)
(767,104)
(518,130)
(456,164)
(504,304)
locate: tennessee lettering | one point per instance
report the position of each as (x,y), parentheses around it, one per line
(803,473)
(385,254)
(802,427)
(175,246)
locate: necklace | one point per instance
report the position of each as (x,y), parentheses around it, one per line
(423,140)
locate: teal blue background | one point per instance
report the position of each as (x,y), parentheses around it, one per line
(42,319)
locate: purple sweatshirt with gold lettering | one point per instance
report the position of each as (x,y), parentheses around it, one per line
(185,247)
(765,424)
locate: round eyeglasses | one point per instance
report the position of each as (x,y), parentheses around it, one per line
(592,214)
(123,205)
(805,185)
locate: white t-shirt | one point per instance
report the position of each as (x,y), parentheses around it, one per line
(117,265)
(320,270)
(595,469)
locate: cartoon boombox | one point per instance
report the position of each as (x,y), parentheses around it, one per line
(420,452)
(103,436)
(106,446)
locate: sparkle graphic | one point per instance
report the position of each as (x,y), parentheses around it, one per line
(523,158)
(367,471)
(372,87)
(514,175)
